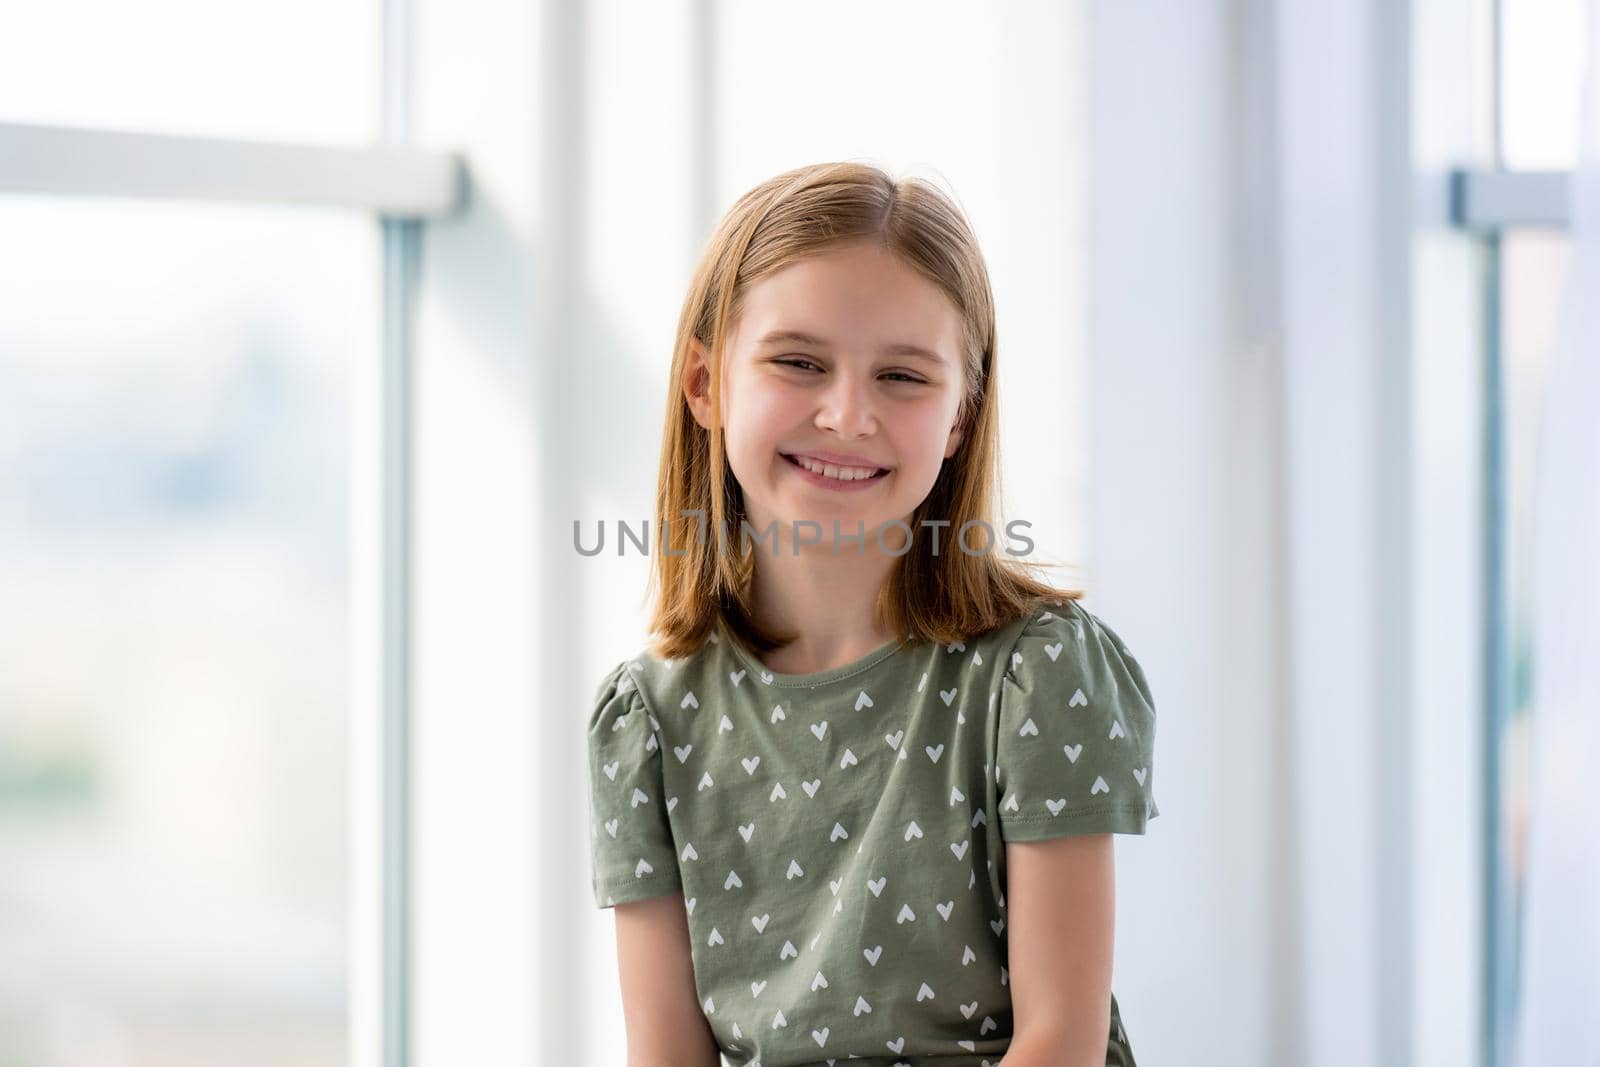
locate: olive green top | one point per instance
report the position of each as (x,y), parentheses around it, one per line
(833,833)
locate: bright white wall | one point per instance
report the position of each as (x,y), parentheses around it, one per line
(1185,491)
(484,647)
(1449,111)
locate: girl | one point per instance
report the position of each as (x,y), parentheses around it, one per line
(856,800)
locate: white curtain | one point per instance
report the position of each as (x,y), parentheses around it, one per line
(1559,1020)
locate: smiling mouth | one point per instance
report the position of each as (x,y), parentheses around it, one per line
(820,469)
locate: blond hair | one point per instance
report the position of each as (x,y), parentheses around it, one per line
(800,213)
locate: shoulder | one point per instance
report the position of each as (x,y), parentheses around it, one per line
(1061,619)
(616,701)
(1045,631)
(1064,640)
(997,651)
(652,684)
(1076,730)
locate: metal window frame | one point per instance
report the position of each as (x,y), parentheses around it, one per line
(1487,203)
(402,254)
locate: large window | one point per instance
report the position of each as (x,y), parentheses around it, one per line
(173,750)
(175,378)
(1540,71)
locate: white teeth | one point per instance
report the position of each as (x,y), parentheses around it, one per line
(843,474)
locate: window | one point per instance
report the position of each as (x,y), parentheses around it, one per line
(173,699)
(1540,71)
(175,378)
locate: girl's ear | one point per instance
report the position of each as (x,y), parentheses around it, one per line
(956,433)
(696,383)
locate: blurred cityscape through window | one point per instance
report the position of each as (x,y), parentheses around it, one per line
(173,639)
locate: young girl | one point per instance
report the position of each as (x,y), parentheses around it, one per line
(856,800)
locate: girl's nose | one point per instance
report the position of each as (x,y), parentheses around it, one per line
(848,408)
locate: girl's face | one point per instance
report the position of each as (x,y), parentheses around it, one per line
(851,357)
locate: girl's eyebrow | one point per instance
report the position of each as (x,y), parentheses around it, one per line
(800,337)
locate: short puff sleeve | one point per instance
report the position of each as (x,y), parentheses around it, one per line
(633,857)
(1076,731)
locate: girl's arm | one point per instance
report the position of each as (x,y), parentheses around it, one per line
(1060,904)
(660,1007)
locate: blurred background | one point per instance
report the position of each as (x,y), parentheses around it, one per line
(321,325)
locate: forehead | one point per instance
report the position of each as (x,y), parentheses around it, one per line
(859,299)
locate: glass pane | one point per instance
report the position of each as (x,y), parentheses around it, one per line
(298,70)
(1533,276)
(173,677)
(1541,72)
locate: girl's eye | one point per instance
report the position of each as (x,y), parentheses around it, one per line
(797,361)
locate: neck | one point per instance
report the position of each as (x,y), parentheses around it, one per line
(829,600)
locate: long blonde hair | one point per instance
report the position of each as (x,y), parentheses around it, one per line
(803,212)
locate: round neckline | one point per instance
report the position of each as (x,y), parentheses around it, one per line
(815,678)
